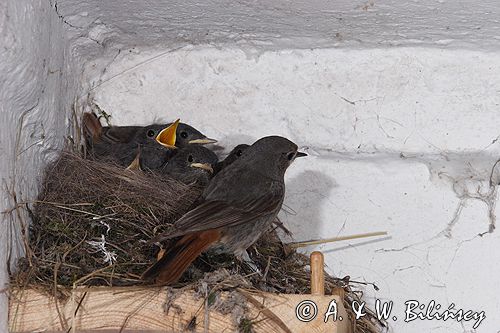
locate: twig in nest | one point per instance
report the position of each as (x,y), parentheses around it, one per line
(296,245)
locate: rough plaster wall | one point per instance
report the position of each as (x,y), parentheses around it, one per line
(402,140)
(36,92)
(101,30)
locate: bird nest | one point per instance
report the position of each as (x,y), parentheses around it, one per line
(92,222)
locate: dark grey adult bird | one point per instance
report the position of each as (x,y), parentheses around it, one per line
(231,157)
(193,164)
(237,207)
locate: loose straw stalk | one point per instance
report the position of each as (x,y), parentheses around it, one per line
(295,245)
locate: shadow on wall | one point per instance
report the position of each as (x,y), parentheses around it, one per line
(305,195)
(227,143)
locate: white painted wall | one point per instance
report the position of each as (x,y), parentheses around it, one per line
(396,102)
(37,89)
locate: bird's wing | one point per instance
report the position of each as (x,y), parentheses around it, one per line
(92,127)
(119,134)
(213,214)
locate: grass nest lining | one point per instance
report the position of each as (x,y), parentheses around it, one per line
(92,222)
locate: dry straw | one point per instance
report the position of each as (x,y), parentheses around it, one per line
(92,221)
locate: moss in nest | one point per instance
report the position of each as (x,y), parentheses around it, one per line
(245,326)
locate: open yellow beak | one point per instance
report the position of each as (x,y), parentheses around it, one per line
(167,136)
(204,166)
(202,141)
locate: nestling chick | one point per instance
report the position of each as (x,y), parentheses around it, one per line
(192,164)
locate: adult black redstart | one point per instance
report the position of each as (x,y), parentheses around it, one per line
(236,208)
(192,164)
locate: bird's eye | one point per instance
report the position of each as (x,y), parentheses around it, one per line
(238,153)
(184,135)
(190,158)
(151,133)
(291,156)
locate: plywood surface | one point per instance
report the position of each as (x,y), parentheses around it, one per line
(133,309)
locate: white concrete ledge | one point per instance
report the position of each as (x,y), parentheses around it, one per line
(276,24)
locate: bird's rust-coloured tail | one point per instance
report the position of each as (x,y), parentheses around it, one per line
(170,267)
(92,127)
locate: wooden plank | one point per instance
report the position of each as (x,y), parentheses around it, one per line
(143,309)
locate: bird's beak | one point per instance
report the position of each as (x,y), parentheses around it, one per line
(167,136)
(204,166)
(203,141)
(300,154)
(136,163)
